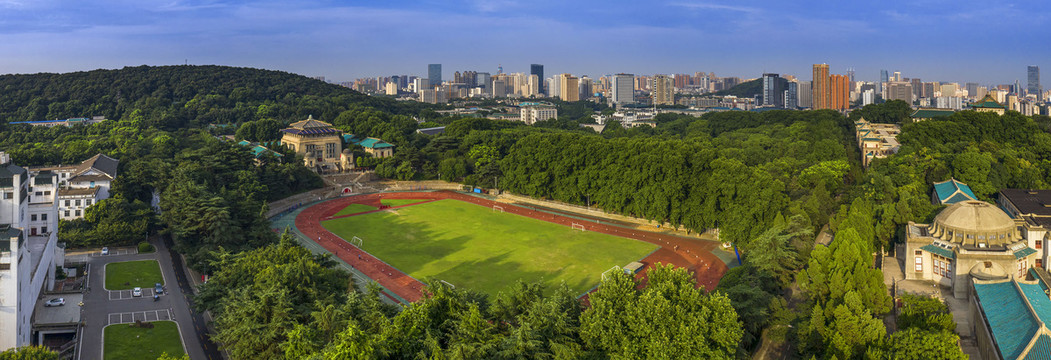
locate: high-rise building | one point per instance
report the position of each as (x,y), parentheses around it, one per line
(623,89)
(899,90)
(586,88)
(420,84)
(482,79)
(1033,73)
(434,74)
(569,86)
(553,86)
(821,87)
(792,95)
(839,92)
(972,89)
(806,94)
(663,90)
(538,70)
(773,90)
(917,86)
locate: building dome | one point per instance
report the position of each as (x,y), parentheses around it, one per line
(975,223)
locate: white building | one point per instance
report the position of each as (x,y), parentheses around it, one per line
(537,112)
(78,186)
(27,261)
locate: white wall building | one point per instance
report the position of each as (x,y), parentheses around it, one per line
(623,89)
(533,113)
(27,262)
(77,187)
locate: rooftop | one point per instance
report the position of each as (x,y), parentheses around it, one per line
(58,315)
(987,102)
(1020,316)
(952,191)
(1036,202)
(931,113)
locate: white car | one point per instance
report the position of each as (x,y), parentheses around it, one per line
(105,251)
(136,292)
(55,302)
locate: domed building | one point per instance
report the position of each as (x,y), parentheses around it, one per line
(968,240)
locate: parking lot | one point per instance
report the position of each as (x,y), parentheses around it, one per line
(117,251)
(126,294)
(147,315)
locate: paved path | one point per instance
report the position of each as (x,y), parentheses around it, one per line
(693,254)
(103,307)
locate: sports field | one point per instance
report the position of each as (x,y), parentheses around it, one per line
(474,247)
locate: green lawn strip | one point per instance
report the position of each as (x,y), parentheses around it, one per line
(126,342)
(400,202)
(354,209)
(129,274)
(472,247)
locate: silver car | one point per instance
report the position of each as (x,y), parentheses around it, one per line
(55,302)
(136,292)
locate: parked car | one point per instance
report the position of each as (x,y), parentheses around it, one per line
(136,291)
(55,302)
(158,289)
(105,250)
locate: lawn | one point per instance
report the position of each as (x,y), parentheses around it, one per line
(473,247)
(129,274)
(126,342)
(354,209)
(400,202)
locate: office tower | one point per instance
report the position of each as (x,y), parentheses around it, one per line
(821,87)
(897,76)
(972,89)
(928,89)
(899,90)
(554,87)
(850,75)
(773,90)
(884,76)
(434,74)
(569,86)
(482,79)
(1033,73)
(538,70)
(585,88)
(839,92)
(792,95)
(917,85)
(623,89)
(663,90)
(420,84)
(806,94)
(499,87)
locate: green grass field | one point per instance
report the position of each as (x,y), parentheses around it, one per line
(400,202)
(126,342)
(142,273)
(354,209)
(473,247)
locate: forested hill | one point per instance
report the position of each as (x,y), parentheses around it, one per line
(746,89)
(172,97)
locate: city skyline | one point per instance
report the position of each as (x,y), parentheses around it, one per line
(347,40)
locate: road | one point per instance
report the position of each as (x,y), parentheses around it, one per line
(103,307)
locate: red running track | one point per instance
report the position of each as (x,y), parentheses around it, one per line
(694,255)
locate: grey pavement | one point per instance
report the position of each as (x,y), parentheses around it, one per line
(103,307)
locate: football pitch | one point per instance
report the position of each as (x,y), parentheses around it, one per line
(473,247)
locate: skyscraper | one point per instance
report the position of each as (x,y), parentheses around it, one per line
(570,86)
(839,92)
(538,70)
(792,95)
(623,89)
(434,74)
(1034,81)
(884,76)
(806,94)
(899,90)
(773,90)
(820,87)
(663,90)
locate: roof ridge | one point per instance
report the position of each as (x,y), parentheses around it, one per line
(1041,326)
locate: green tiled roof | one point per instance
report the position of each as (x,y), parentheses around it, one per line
(987,102)
(952,191)
(1041,349)
(1024,252)
(938,250)
(931,113)
(1009,318)
(374,143)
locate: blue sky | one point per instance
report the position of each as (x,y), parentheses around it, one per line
(937,40)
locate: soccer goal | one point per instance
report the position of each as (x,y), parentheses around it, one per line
(613,270)
(498,208)
(356,241)
(450,285)
(580,227)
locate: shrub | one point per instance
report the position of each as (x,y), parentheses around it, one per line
(145,247)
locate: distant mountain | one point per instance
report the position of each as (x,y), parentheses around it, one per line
(746,89)
(180,96)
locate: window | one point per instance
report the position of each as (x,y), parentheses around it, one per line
(92,184)
(67,213)
(43,217)
(39,193)
(330,150)
(47,193)
(43,229)
(87,202)
(918,252)
(67,205)
(32,217)
(77,202)
(78,213)
(919,264)
(9,195)
(1038,244)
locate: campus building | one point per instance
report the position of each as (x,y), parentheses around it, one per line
(951,191)
(967,240)
(317,141)
(27,260)
(66,122)
(988,104)
(76,188)
(876,140)
(533,112)
(373,146)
